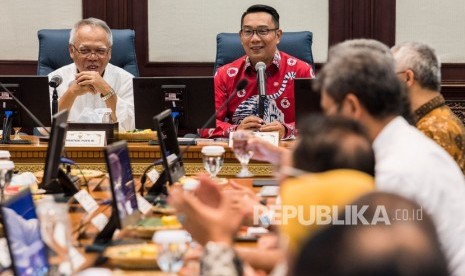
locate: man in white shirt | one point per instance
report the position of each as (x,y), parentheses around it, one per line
(91,81)
(361,83)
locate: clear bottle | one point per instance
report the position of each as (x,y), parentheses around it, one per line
(56,233)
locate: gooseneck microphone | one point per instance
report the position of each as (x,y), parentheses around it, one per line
(29,113)
(240,85)
(54,82)
(261,80)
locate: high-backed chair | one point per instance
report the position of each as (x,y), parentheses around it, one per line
(297,44)
(54,50)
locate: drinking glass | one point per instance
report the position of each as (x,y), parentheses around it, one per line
(6,174)
(241,152)
(55,230)
(172,245)
(17,137)
(213,159)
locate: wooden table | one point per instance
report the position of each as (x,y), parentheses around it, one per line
(79,220)
(32,157)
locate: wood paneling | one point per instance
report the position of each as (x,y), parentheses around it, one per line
(362,19)
(18,67)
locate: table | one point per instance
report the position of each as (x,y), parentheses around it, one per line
(77,215)
(32,157)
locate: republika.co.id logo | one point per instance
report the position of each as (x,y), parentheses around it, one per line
(332,214)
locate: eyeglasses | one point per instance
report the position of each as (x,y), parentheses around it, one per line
(260,32)
(401,72)
(86,52)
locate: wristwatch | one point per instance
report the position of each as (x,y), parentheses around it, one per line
(108,95)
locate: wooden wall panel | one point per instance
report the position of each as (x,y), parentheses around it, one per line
(350,19)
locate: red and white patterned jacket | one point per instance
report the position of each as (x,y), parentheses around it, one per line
(279,104)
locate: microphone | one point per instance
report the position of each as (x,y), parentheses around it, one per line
(55,81)
(29,113)
(240,85)
(261,77)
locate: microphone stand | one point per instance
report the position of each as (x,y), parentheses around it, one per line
(158,188)
(54,101)
(262,93)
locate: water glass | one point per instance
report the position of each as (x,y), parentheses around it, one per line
(213,158)
(243,154)
(55,229)
(106,118)
(172,245)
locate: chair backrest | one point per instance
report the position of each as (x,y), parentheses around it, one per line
(297,44)
(54,53)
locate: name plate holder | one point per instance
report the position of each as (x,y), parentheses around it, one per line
(89,138)
(270,137)
(110,129)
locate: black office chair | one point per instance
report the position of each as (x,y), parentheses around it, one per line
(297,44)
(54,53)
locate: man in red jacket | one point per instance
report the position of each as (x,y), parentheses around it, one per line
(260,34)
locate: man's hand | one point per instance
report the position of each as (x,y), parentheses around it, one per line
(265,151)
(204,221)
(250,123)
(274,126)
(79,90)
(94,80)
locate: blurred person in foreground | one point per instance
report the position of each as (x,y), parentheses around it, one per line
(338,153)
(401,240)
(362,85)
(260,35)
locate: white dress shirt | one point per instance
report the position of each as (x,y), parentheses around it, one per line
(412,165)
(119,79)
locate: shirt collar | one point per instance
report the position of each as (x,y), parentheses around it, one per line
(276,61)
(429,106)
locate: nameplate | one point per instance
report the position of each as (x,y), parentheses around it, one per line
(144,206)
(88,138)
(271,137)
(87,202)
(99,221)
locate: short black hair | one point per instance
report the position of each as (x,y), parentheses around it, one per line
(333,142)
(262,8)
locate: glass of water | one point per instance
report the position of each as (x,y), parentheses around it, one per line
(172,245)
(213,159)
(242,153)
